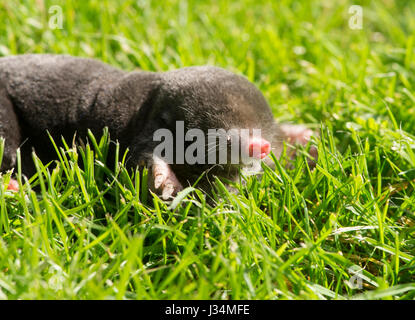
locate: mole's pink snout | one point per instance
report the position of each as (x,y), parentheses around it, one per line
(259,148)
(13,185)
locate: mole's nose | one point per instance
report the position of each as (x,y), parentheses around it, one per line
(259,148)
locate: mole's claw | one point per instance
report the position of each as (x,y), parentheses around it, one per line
(168,191)
(165,182)
(158,180)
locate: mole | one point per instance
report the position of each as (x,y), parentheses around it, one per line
(64,95)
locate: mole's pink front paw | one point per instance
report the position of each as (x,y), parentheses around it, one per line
(164,181)
(298,134)
(13,185)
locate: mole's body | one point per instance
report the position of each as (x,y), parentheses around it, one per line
(64,95)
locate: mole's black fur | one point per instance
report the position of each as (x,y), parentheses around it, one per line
(64,95)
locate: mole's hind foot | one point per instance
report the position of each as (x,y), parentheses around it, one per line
(164,181)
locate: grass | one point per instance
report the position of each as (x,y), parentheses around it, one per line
(345,230)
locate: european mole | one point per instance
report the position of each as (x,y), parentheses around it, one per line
(63,95)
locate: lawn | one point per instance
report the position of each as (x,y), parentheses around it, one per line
(344,230)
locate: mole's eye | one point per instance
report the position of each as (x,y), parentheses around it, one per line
(165,119)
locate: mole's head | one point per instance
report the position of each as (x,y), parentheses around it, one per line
(219,122)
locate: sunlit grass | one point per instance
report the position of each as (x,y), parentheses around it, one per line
(83,227)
